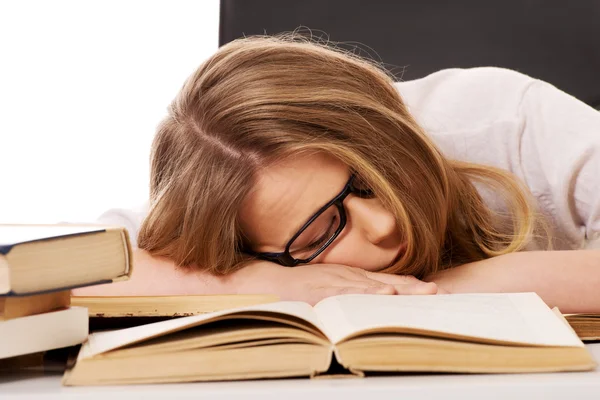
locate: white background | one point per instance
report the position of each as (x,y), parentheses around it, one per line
(83,85)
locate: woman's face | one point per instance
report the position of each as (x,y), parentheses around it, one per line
(288,194)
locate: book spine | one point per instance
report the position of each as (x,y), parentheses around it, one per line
(127,248)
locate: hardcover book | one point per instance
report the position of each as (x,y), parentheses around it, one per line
(466,333)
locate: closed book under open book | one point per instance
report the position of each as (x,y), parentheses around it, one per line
(166,306)
(116,312)
(587,326)
(475,333)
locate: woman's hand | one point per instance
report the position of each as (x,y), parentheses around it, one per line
(567,279)
(312,283)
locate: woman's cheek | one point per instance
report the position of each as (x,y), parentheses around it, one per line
(350,253)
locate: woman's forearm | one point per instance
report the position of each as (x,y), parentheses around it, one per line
(569,280)
(153,276)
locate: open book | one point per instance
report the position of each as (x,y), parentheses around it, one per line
(443,333)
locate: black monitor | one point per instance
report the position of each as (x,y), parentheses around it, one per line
(554,40)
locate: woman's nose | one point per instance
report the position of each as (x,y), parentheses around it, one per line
(368,215)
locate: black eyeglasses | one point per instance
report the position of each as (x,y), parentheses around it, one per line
(319,231)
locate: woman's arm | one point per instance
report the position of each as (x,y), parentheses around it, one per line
(559,153)
(559,149)
(157,276)
(569,280)
(153,276)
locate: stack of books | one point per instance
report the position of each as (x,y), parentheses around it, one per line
(39,265)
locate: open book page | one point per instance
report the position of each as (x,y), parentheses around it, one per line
(101,342)
(507,317)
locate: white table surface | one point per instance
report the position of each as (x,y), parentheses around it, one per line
(574,385)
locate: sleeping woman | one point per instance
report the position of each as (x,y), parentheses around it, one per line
(293,168)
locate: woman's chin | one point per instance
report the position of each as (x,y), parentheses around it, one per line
(399,254)
(383,264)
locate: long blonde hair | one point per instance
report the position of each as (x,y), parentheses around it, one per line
(259,100)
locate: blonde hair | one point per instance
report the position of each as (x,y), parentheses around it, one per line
(259,100)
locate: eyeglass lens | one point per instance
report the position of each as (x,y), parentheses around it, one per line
(316,234)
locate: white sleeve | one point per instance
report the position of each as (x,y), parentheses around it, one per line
(131,219)
(560,157)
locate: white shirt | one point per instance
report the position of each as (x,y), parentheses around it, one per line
(505,119)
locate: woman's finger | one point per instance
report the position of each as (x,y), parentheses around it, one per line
(391,278)
(373,289)
(404,284)
(417,288)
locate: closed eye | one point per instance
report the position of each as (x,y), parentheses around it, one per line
(323,238)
